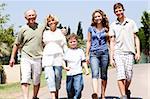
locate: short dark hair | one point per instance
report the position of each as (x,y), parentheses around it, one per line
(118,5)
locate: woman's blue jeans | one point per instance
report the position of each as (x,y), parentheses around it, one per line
(99,61)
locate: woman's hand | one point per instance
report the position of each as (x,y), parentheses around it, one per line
(88,59)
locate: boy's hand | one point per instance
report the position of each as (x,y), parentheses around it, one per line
(67,68)
(87,72)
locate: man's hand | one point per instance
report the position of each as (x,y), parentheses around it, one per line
(137,57)
(11,62)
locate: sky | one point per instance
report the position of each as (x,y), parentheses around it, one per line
(70,12)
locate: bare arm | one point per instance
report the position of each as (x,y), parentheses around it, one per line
(137,45)
(85,67)
(14,52)
(88,45)
(65,66)
(112,44)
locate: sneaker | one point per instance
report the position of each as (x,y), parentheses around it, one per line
(128,93)
(94,96)
(124,97)
(35,98)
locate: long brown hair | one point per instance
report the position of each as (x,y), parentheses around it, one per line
(105,22)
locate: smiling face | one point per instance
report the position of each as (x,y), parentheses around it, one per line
(52,22)
(97,18)
(72,42)
(30,15)
(119,12)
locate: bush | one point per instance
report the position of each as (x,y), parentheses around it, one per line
(2,75)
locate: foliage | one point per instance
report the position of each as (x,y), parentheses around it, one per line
(144,34)
(82,44)
(2,75)
(1,68)
(3,18)
(141,36)
(60,26)
(79,31)
(6,33)
(68,31)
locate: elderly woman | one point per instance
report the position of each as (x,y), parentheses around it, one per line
(54,46)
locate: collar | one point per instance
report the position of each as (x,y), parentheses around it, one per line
(102,30)
(126,20)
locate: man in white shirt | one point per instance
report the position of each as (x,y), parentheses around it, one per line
(122,46)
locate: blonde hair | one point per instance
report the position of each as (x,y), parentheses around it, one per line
(73,35)
(52,17)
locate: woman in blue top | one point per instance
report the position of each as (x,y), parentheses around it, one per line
(97,54)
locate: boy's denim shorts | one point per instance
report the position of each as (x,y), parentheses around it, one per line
(53,75)
(99,61)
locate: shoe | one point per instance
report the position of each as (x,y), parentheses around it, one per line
(35,98)
(94,96)
(124,97)
(128,93)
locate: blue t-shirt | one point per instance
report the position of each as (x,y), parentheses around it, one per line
(98,39)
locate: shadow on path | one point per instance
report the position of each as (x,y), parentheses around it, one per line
(112,97)
(136,98)
(116,97)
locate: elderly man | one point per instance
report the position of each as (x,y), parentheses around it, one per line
(29,39)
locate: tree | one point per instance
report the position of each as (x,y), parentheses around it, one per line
(79,31)
(144,34)
(68,31)
(60,26)
(6,33)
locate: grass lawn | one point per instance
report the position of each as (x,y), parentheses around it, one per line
(15,87)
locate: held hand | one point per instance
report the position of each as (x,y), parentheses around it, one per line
(87,72)
(11,62)
(112,63)
(67,68)
(137,57)
(87,60)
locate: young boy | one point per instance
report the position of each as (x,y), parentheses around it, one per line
(123,44)
(74,57)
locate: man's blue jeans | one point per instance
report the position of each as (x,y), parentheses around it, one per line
(74,86)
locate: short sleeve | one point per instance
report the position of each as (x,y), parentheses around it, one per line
(19,38)
(82,54)
(135,29)
(64,57)
(64,43)
(89,29)
(111,31)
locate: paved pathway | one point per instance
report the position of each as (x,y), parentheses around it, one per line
(140,86)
